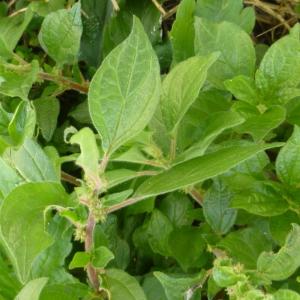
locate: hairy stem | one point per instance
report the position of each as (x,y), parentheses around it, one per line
(68,83)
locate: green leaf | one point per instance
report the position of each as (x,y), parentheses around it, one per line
(246,245)
(257,124)
(261,198)
(124,93)
(216,208)
(22,222)
(60,35)
(32,290)
(213,126)
(122,286)
(17,80)
(279,69)
(11,30)
(178,287)
(281,265)
(233,61)
(181,87)
(158,239)
(153,289)
(32,163)
(284,294)
(79,260)
(44,8)
(183,33)
(198,169)
(101,257)
(47,111)
(288,160)
(88,159)
(116,198)
(185,238)
(227,10)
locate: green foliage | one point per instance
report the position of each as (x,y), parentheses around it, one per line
(147,154)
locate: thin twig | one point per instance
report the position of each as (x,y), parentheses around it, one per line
(18,12)
(115,5)
(11,3)
(82,88)
(170,13)
(123,204)
(159,7)
(69,178)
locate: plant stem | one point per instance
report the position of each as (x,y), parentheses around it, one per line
(69,178)
(82,88)
(115,5)
(91,271)
(123,204)
(159,7)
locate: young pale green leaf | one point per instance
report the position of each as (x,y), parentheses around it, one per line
(125,90)
(101,257)
(32,163)
(288,160)
(284,294)
(22,124)
(279,266)
(79,260)
(233,61)
(32,290)
(88,159)
(17,80)
(47,111)
(261,198)
(257,124)
(179,287)
(183,33)
(213,126)
(216,208)
(11,30)
(187,238)
(181,87)
(122,286)
(227,10)
(246,245)
(61,33)
(199,169)
(22,222)
(279,69)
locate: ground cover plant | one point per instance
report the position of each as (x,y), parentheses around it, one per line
(149,150)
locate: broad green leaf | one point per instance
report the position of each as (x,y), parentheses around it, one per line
(213,126)
(47,111)
(32,163)
(158,239)
(284,294)
(79,260)
(243,88)
(44,8)
(176,207)
(65,291)
(227,10)
(257,124)
(153,289)
(116,198)
(124,92)
(261,198)
(199,169)
(178,287)
(233,61)
(101,257)
(22,222)
(122,286)
(32,290)
(281,265)
(11,30)
(288,160)
(227,276)
(187,245)
(81,113)
(9,179)
(22,124)
(60,34)
(246,245)
(17,80)
(279,69)
(183,33)
(216,208)
(88,159)
(181,87)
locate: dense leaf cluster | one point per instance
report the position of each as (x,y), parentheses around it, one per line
(142,162)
